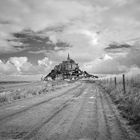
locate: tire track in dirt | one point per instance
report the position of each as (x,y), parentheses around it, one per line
(105,117)
(88,129)
(57,128)
(41,124)
(74,122)
(5,118)
(84,125)
(96,115)
(103,127)
(117,131)
(60,109)
(93,119)
(35,128)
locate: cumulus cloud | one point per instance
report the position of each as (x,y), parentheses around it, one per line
(44,62)
(105,65)
(7,68)
(18,62)
(21,66)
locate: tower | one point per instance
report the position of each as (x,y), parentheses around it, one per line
(68,57)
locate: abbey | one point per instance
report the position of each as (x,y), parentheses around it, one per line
(68,65)
(68,69)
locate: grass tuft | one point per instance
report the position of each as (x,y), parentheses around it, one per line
(29,91)
(128,103)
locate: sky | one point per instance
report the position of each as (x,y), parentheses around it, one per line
(103,36)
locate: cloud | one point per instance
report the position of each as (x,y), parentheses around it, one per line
(105,65)
(18,62)
(44,62)
(7,68)
(21,66)
(115,46)
(42,67)
(133,71)
(37,16)
(52,28)
(127,55)
(132,58)
(35,42)
(92,35)
(118,58)
(107,57)
(115,62)
(122,2)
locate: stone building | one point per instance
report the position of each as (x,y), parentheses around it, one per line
(68,65)
(68,69)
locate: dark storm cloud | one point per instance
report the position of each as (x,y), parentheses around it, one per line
(115,47)
(5,22)
(33,45)
(62,45)
(34,41)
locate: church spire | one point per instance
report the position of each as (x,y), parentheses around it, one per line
(68,57)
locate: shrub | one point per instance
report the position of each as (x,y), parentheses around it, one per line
(3,99)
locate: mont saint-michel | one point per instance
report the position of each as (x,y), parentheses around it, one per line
(68,69)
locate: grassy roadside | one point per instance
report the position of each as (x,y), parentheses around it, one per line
(128,103)
(8,95)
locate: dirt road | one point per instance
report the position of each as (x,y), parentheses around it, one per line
(78,112)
